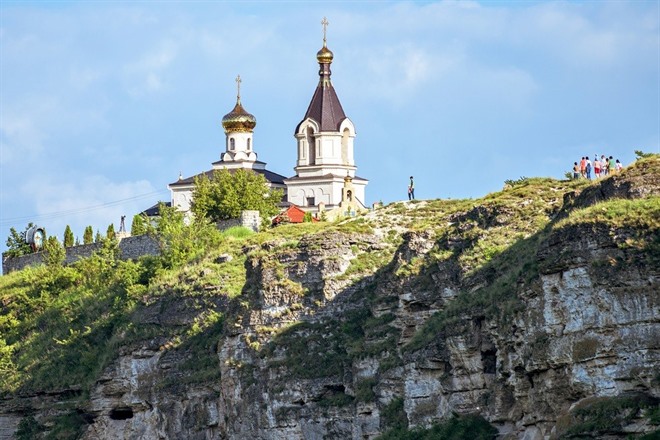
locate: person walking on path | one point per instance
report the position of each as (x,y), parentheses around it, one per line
(411,189)
(619,166)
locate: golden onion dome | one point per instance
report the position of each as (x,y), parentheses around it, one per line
(324,55)
(238,120)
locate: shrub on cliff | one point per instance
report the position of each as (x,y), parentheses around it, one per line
(470,427)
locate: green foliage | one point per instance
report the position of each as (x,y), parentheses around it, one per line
(338,400)
(307,218)
(28,428)
(98,237)
(88,235)
(639,154)
(496,301)
(200,346)
(139,225)
(514,182)
(238,232)
(640,213)
(68,237)
(55,252)
(655,435)
(599,416)
(8,371)
(57,325)
(67,426)
(364,390)
(394,416)
(225,195)
(181,242)
(469,427)
(17,244)
(110,233)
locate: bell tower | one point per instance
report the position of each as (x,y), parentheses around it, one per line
(325,143)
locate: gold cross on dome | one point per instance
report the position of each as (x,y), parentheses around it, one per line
(238,87)
(325,24)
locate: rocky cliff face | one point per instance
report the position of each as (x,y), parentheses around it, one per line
(538,312)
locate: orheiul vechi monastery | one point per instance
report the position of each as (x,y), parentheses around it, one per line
(325,180)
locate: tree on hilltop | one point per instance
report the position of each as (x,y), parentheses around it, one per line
(225,195)
(110,233)
(17,244)
(139,225)
(68,236)
(88,236)
(55,253)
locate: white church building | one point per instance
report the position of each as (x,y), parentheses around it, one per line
(239,153)
(325,178)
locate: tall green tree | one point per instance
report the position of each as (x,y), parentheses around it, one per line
(68,236)
(139,225)
(226,194)
(98,238)
(88,236)
(110,233)
(16,243)
(55,252)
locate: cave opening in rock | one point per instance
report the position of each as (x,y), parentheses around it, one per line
(489,361)
(121,413)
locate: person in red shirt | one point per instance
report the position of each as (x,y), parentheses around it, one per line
(583,167)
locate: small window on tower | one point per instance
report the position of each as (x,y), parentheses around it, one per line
(249,146)
(310,201)
(232,144)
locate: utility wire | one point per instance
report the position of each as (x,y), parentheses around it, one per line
(69,212)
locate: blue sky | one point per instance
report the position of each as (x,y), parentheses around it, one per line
(102,104)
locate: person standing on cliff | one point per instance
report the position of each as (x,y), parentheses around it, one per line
(411,189)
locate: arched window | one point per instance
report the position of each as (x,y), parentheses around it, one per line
(232,144)
(349,195)
(311,145)
(248,144)
(344,146)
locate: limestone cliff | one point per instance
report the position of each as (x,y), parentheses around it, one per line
(537,308)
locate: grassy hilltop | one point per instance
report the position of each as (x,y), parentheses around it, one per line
(60,327)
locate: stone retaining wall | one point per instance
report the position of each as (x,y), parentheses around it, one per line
(130,248)
(248,219)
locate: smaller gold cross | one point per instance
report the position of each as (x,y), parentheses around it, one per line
(238,87)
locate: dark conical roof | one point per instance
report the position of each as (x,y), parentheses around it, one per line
(325,107)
